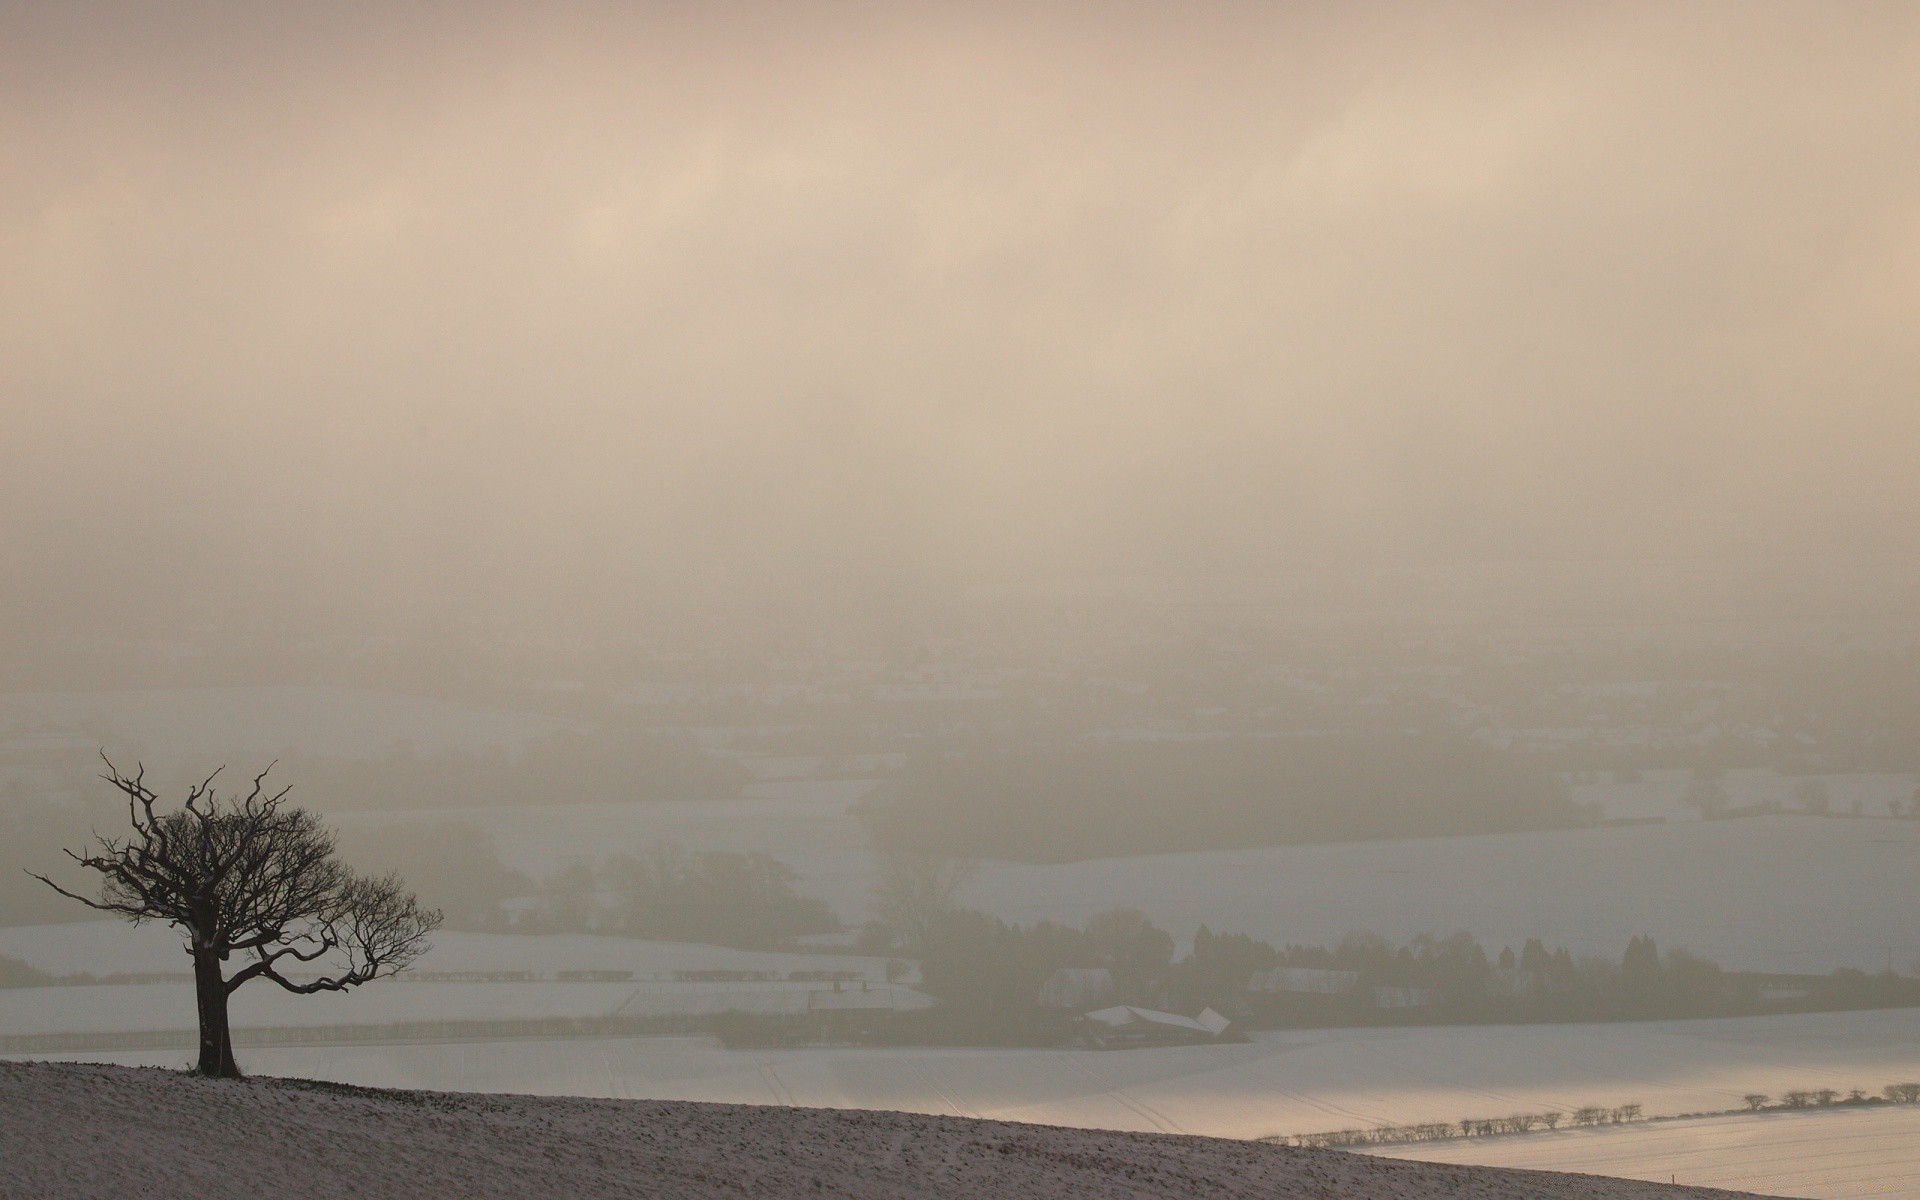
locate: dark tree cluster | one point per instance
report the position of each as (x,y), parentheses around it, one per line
(981,962)
(989,973)
(17,974)
(670,894)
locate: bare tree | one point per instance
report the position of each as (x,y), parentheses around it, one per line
(914,891)
(253,877)
(1756,1101)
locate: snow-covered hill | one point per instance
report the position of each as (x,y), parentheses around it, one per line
(86,1131)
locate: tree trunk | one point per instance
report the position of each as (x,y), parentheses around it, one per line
(216,1040)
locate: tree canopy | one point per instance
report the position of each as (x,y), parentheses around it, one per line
(253,877)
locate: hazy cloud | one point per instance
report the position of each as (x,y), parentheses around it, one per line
(649,309)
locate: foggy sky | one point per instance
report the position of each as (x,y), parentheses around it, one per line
(642,310)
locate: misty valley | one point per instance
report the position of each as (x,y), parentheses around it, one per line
(1126,601)
(897,859)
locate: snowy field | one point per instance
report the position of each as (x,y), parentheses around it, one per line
(1840,1154)
(152,1007)
(1283,1082)
(106,946)
(169,1007)
(84,1132)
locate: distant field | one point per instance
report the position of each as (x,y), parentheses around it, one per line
(1284,1082)
(1783,893)
(83,1133)
(106,947)
(1293,1082)
(1786,893)
(1859,1154)
(103,947)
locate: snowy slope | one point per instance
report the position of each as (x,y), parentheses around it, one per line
(69,1131)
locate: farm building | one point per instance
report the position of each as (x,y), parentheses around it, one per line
(1128,1025)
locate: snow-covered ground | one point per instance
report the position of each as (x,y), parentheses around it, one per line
(169,1007)
(1837,1154)
(89,1132)
(109,946)
(1286,1082)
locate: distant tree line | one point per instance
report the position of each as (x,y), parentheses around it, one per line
(17,974)
(1586,1116)
(1467,1127)
(982,965)
(670,894)
(989,974)
(1067,801)
(1459,981)
(1798,1098)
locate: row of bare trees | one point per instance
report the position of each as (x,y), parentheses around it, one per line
(1893,1093)
(1466,1127)
(1585,1116)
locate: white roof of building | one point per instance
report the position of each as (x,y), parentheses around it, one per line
(1208,1022)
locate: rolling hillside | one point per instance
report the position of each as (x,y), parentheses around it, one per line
(77,1131)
